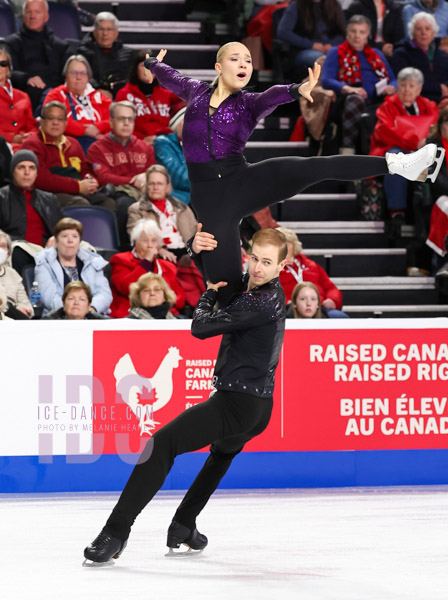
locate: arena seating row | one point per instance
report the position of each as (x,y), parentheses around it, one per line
(357,253)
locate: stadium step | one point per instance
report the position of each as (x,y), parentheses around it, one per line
(159,33)
(183,56)
(160,10)
(352,262)
(272,129)
(339,234)
(387,290)
(404,311)
(261,150)
(322,207)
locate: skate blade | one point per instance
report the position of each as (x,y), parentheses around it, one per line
(440,155)
(90,564)
(188,553)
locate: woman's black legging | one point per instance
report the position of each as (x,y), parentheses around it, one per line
(227,420)
(222,201)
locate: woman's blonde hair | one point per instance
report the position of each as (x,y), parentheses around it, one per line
(296,291)
(220,55)
(291,238)
(136,287)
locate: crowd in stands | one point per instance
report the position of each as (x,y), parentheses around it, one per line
(84,124)
(382,89)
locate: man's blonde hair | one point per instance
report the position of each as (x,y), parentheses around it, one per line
(272,237)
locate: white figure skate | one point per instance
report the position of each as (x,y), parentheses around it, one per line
(416,166)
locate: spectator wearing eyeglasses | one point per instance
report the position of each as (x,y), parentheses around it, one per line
(87,108)
(175,219)
(63,167)
(120,158)
(151,298)
(109,58)
(16,114)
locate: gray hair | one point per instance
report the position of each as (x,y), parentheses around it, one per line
(105,16)
(158,169)
(7,237)
(411,73)
(52,104)
(359,20)
(124,103)
(28,1)
(425,17)
(148,226)
(80,58)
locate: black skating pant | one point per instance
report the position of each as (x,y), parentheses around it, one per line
(222,201)
(227,421)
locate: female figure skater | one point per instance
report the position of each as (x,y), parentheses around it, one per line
(219,119)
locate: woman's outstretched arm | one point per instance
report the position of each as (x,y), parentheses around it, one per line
(169,78)
(262,104)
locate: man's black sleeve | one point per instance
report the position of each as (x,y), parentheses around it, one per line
(239,315)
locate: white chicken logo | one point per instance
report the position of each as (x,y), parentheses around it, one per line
(146,395)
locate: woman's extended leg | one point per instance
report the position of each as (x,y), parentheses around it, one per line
(222,203)
(276,179)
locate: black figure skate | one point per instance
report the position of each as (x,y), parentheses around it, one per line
(102,551)
(179,534)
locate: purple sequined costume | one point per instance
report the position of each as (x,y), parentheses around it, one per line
(224,187)
(230,126)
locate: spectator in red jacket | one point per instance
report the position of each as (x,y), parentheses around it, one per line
(153,102)
(16,114)
(87,108)
(127,267)
(63,167)
(438,231)
(301,268)
(120,158)
(404,120)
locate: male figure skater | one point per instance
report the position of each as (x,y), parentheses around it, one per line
(253,326)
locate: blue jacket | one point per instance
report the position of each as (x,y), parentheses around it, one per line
(50,277)
(169,154)
(330,69)
(411,7)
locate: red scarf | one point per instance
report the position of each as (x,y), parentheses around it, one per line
(161,205)
(350,67)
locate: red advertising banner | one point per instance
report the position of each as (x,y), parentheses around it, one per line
(375,389)
(335,390)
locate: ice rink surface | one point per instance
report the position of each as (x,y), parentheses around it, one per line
(357,543)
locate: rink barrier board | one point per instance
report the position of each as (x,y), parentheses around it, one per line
(320,435)
(249,470)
